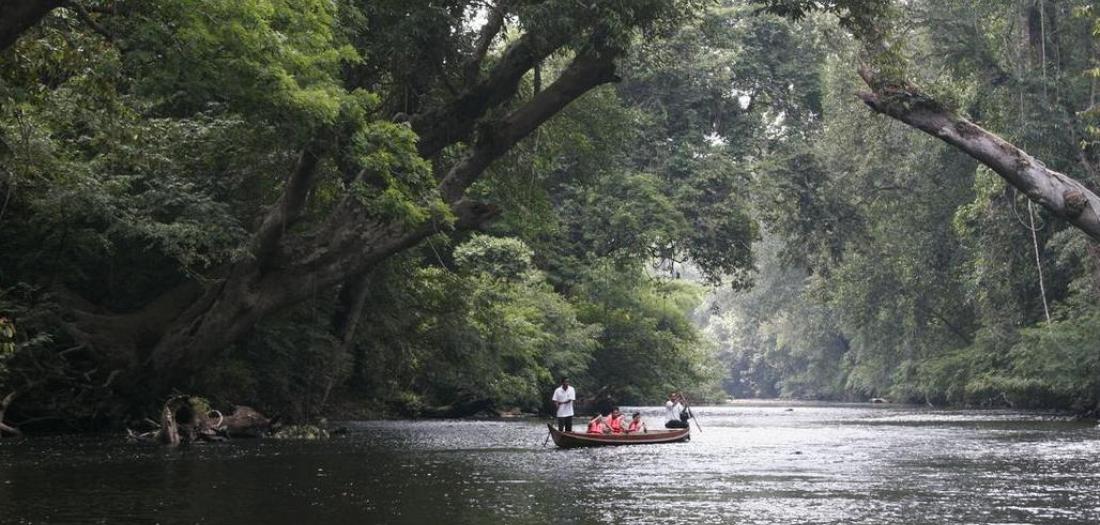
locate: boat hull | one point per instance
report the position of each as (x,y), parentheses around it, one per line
(577,439)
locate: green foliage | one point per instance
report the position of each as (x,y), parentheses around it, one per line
(151,158)
(137,157)
(1048,365)
(493,331)
(923,284)
(858,15)
(732,153)
(387,152)
(501,258)
(289,367)
(276,59)
(648,344)
(301,432)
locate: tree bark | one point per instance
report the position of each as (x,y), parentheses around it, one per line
(485,39)
(285,212)
(1060,194)
(353,297)
(17,16)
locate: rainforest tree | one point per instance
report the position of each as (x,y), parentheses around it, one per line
(925,262)
(233,160)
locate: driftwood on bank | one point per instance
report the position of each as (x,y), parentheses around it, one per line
(247,422)
(188,419)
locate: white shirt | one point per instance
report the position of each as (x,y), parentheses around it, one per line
(672,411)
(565,398)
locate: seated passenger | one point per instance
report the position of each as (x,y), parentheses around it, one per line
(615,423)
(636,424)
(597,425)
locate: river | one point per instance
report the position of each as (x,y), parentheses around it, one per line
(752,463)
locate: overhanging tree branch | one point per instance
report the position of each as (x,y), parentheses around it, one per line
(344,234)
(1060,194)
(593,66)
(355,244)
(454,121)
(348,245)
(354,241)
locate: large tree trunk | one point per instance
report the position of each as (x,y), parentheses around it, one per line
(289,269)
(229,310)
(1060,194)
(16,16)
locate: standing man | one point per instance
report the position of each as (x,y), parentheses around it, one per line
(563,399)
(675,416)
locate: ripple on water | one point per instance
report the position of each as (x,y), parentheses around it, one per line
(764,463)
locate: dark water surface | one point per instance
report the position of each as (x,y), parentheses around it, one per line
(751,464)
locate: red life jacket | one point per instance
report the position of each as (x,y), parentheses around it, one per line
(595,426)
(617,425)
(635,426)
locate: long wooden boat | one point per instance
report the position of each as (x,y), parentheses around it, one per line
(582,439)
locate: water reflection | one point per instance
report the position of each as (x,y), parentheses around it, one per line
(764,463)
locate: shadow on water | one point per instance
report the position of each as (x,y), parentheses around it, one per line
(767,463)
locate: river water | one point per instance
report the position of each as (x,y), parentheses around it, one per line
(761,463)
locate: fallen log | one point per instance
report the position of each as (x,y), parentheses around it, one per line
(247,422)
(186,419)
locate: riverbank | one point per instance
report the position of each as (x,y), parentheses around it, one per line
(344,410)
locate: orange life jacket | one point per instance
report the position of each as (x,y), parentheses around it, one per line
(617,425)
(595,426)
(635,426)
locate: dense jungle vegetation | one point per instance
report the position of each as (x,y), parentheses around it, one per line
(893,265)
(395,207)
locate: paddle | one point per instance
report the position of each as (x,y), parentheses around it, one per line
(547,440)
(687,408)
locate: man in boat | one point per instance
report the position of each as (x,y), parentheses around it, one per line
(675,415)
(636,424)
(563,399)
(616,421)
